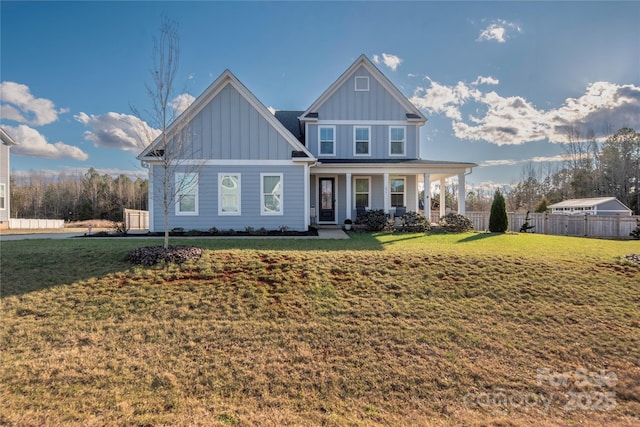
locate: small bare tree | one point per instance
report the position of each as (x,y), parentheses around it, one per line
(172,149)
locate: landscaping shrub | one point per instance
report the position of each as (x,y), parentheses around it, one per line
(456,223)
(151,255)
(498,220)
(374,220)
(636,233)
(414,222)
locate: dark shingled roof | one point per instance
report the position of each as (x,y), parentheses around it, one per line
(413,116)
(289,120)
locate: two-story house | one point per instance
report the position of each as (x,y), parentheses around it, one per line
(5,143)
(356,147)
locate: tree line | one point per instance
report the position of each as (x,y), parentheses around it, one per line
(591,169)
(76,198)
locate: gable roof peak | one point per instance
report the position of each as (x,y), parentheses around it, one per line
(364,61)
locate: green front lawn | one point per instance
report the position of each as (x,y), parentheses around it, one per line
(401,329)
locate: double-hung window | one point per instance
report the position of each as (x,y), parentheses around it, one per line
(229,194)
(271,194)
(397,138)
(362,191)
(327,140)
(361,139)
(398,187)
(186,193)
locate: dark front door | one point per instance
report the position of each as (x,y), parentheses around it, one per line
(327,200)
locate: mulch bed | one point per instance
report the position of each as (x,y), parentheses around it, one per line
(151,255)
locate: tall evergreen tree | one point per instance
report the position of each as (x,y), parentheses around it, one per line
(498,220)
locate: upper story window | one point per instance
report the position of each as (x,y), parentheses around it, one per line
(397,140)
(186,194)
(327,140)
(362,83)
(361,140)
(229,194)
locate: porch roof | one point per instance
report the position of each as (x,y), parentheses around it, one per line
(436,168)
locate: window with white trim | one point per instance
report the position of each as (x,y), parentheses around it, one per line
(361,138)
(362,83)
(398,187)
(327,140)
(186,193)
(3,203)
(229,194)
(271,194)
(362,188)
(397,138)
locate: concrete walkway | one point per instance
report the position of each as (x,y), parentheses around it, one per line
(332,233)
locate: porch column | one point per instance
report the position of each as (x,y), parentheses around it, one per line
(461,193)
(426,198)
(348,201)
(443,198)
(387,197)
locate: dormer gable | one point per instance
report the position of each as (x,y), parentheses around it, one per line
(363,92)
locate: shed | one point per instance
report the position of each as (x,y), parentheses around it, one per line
(591,206)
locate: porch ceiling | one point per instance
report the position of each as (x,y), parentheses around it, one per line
(437,169)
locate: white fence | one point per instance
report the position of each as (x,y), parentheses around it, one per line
(18,223)
(136,220)
(608,226)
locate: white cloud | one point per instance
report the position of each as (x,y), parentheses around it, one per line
(515,120)
(114,130)
(181,102)
(499,30)
(33,143)
(391,61)
(19,105)
(481,80)
(536,159)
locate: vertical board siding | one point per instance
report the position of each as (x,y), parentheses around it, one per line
(4,179)
(348,104)
(228,127)
(293,200)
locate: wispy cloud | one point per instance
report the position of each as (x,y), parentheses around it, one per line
(19,105)
(115,130)
(391,61)
(33,143)
(515,120)
(536,159)
(481,80)
(498,30)
(181,102)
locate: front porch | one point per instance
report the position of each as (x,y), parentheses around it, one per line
(339,193)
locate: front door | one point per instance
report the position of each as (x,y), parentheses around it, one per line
(327,200)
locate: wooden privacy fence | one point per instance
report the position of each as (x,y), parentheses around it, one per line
(608,226)
(136,220)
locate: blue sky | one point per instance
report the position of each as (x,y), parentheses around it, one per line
(499,81)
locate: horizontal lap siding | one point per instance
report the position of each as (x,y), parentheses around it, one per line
(293,203)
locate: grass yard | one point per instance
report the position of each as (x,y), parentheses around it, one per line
(469,329)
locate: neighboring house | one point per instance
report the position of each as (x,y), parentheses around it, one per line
(591,206)
(5,143)
(356,147)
